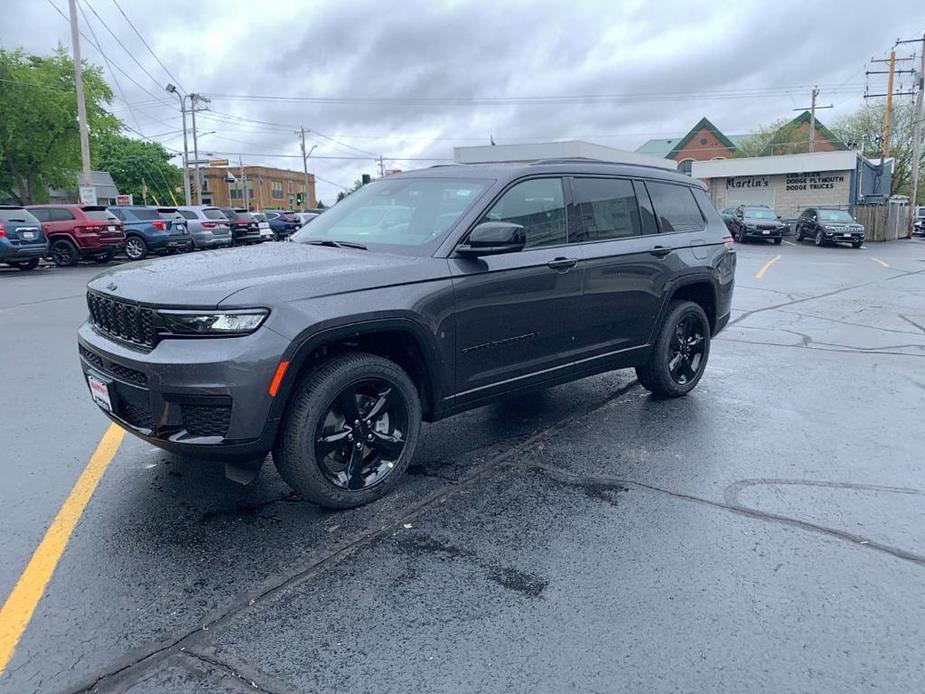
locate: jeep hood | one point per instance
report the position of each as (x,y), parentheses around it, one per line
(262,275)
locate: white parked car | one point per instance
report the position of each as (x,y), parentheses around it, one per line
(266,233)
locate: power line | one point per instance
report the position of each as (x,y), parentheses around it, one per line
(137,33)
(119,41)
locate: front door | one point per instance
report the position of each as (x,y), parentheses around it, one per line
(516,313)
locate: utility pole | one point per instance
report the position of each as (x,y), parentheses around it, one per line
(193,99)
(812,118)
(85,177)
(243,181)
(917,136)
(305,166)
(888,112)
(381,167)
(186,187)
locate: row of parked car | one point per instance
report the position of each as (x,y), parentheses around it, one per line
(819,224)
(68,234)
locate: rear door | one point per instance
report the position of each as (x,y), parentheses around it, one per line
(516,312)
(627,263)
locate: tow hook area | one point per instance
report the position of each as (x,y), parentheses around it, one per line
(244,472)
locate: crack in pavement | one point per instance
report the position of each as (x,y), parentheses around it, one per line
(140,659)
(840,290)
(731,504)
(845,350)
(246,673)
(853,324)
(909,320)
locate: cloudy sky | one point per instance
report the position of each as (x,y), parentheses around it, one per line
(410,80)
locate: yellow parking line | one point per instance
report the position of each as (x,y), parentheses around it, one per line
(766,267)
(19,606)
(877,260)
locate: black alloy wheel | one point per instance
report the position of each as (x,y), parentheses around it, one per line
(64,253)
(819,239)
(361,436)
(679,357)
(686,349)
(738,235)
(349,431)
(799,233)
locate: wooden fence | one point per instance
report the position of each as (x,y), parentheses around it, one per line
(883,223)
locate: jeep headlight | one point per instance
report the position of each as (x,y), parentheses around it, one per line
(234,322)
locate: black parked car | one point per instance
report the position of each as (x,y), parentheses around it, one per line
(244,226)
(829,226)
(329,351)
(756,222)
(727,213)
(22,241)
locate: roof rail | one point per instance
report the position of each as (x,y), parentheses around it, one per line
(588,160)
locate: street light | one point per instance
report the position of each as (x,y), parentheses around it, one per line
(171,89)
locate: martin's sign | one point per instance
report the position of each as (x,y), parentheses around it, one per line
(747,182)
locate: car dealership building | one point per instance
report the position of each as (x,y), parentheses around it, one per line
(790,183)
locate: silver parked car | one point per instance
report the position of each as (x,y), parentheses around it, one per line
(207,225)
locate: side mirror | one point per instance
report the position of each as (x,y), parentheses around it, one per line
(493,238)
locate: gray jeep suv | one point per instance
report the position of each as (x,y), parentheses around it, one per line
(419,296)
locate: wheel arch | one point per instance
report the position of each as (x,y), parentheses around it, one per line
(701,289)
(400,340)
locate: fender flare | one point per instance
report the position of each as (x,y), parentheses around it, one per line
(674,286)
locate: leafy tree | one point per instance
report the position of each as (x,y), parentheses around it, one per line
(39,137)
(779,137)
(135,164)
(863,130)
(757,143)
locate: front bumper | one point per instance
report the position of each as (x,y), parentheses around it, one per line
(843,236)
(763,233)
(204,398)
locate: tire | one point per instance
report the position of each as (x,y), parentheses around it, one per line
(738,236)
(799,233)
(26,264)
(778,242)
(857,244)
(657,375)
(314,408)
(64,253)
(818,240)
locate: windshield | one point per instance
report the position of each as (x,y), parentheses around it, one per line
(835,216)
(396,211)
(758,213)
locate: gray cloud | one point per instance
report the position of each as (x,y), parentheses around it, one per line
(465,50)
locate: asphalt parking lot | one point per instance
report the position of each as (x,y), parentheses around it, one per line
(762,534)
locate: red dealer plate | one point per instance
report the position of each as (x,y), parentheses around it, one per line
(99,391)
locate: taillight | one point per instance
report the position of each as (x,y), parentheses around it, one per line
(727,241)
(91,229)
(2,232)
(159,224)
(209,225)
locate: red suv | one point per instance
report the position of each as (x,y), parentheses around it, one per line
(80,232)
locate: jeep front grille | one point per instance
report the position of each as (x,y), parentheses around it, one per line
(126,321)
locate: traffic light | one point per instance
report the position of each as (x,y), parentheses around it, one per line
(299,198)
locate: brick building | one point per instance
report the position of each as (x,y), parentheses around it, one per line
(705,142)
(267,187)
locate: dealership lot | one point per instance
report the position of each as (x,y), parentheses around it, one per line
(762,534)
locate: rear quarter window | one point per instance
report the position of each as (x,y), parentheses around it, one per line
(145,214)
(100,215)
(215,213)
(675,207)
(188,214)
(43,214)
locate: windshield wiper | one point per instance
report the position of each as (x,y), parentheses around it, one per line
(337,244)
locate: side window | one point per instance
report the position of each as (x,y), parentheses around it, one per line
(41,214)
(675,207)
(649,225)
(119,213)
(607,209)
(188,214)
(538,206)
(60,214)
